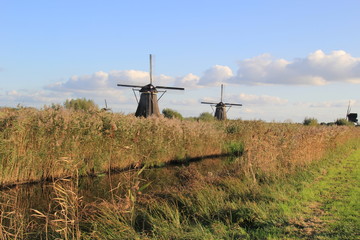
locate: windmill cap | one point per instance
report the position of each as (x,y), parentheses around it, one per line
(148,88)
(220,104)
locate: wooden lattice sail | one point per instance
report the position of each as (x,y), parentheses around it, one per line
(148,103)
(220,108)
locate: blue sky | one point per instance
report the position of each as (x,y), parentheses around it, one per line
(283,60)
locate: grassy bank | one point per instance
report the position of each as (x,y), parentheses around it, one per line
(44,144)
(254,195)
(315,202)
(327,206)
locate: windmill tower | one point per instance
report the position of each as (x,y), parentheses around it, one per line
(148,104)
(220,108)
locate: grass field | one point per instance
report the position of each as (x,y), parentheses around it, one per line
(37,145)
(283,181)
(316,202)
(328,206)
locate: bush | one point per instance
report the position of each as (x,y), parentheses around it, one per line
(205,116)
(310,122)
(169,113)
(235,148)
(343,122)
(81,104)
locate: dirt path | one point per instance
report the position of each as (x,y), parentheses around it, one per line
(332,206)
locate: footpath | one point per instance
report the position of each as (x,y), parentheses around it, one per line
(331,203)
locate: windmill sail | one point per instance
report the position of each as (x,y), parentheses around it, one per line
(127,85)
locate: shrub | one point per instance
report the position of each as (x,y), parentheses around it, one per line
(310,122)
(235,148)
(205,116)
(343,122)
(81,104)
(169,113)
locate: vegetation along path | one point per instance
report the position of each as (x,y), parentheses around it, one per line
(329,206)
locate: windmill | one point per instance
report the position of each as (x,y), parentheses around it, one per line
(351,117)
(106,107)
(220,108)
(148,104)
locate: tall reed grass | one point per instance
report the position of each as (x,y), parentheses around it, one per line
(36,145)
(222,205)
(45,144)
(52,143)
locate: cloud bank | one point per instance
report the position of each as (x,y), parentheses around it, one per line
(318,68)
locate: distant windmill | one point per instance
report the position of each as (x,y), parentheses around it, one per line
(220,111)
(106,107)
(148,104)
(351,117)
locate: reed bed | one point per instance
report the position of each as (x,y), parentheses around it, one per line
(37,145)
(221,204)
(274,149)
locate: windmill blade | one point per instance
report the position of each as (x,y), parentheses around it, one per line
(233,104)
(172,88)
(208,103)
(349,109)
(151,80)
(222,92)
(127,85)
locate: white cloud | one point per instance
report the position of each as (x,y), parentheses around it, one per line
(101,85)
(250,99)
(34,97)
(185,102)
(317,68)
(102,80)
(327,104)
(188,81)
(215,75)
(98,80)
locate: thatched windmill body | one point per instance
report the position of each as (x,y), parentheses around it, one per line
(220,108)
(148,103)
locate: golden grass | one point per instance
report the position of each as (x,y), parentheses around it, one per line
(273,149)
(36,145)
(45,144)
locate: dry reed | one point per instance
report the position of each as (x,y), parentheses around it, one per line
(34,142)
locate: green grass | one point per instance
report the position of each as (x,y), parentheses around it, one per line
(322,203)
(338,195)
(225,205)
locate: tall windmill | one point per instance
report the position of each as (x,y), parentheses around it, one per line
(220,108)
(148,104)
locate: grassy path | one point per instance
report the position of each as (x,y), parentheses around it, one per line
(329,206)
